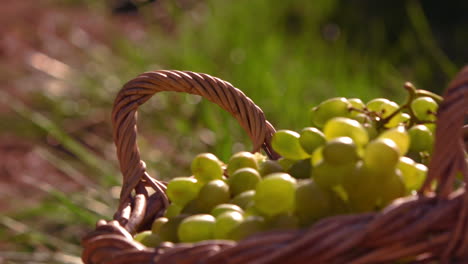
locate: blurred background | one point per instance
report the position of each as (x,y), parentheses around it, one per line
(63,62)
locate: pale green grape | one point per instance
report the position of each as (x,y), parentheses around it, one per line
(413,173)
(181,190)
(334,107)
(356,103)
(346,127)
(251,225)
(156,226)
(225,223)
(392,187)
(286,143)
(311,138)
(421,138)
(213,193)
(312,202)
(243,199)
(274,194)
(381,154)
(269,166)
(399,136)
(340,150)
(242,160)
(317,156)
(285,163)
(424,108)
(328,175)
(173,210)
(222,208)
(363,187)
(383,107)
(243,180)
(206,167)
(148,239)
(196,228)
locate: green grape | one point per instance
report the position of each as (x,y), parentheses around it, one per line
(334,107)
(421,138)
(431,127)
(251,210)
(286,143)
(312,202)
(225,223)
(381,154)
(371,129)
(311,138)
(424,108)
(285,163)
(206,167)
(301,169)
(317,156)
(196,228)
(248,227)
(242,160)
(212,194)
(340,150)
(243,180)
(413,173)
(362,186)
(356,103)
(282,222)
(243,199)
(346,127)
(395,120)
(328,175)
(269,166)
(156,226)
(383,107)
(173,210)
(222,208)
(181,190)
(392,187)
(148,239)
(361,118)
(405,118)
(275,194)
(168,230)
(399,136)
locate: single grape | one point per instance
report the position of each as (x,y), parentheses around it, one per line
(148,239)
(383,107)
(424,108)
(362,118)
(181,190)
(317,156)
(243,180)
(168,230)
(340,150)
(381,154)
(312,202)
(346,127)
(282,222)
(243,199)
(269,166)
(413,173)
(275,194)
(334,107)
(311,138)
(248,227)
(212,194)
(156,226)
(196,228)
(301,169)
(225,223)
(285,163)
(173,210)
(392,187)
(286,143)
(206,167)
(356,103)
(242,160)
(362,186)
(226,207)
(328,175)
(421,139)
(405,118)
(399,136)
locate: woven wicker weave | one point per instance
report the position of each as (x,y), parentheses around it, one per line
(423,228)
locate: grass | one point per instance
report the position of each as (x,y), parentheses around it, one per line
(277,54)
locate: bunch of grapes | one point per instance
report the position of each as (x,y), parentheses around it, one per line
(354,158)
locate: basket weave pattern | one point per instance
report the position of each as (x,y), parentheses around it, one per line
(430,226)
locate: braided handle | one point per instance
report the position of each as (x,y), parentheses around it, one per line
(140,89)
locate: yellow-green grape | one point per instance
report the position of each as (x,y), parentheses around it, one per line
(424,108)
(243,199)
(340,150)
(413,173)
(312,202)
(328,175)
(399,136)
(197,228)
(251,225)
(362,118)
(381,154)
(346,127)
(421,139)
(181,190)
(282,222)
(274,194)
(148,239)
(371,129)
(226,207)
(173,210)
(225,223)
(383,107)
(286,143)
(285,163)
(392,187)
(242,160)
(356,103)
(168,230)
(251,210)
(311,138)
(269,166)
(404,118)
(156,226)
(362,186)
(431,127)
(212,194)
(206,167)
(317,156)
(301,169)
(334,107)
(243,180)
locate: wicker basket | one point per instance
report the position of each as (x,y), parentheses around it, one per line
(429,228)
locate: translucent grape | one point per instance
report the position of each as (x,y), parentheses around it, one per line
(399,136)
(381,154)
(243,199)
(225,223)
(181,190)
(311,138)
(196,228)
(222,208)
(243,180)
(334,107)
(421,138)
(424,108)
(286,143)
(275,194)
(312,202)
(242,160)
(340,150)
(346,127)
(206,167)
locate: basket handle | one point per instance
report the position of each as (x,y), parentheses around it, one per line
(140,89)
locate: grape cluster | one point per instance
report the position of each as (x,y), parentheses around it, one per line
(354,157)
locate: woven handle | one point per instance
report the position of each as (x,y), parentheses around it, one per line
(140,89)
